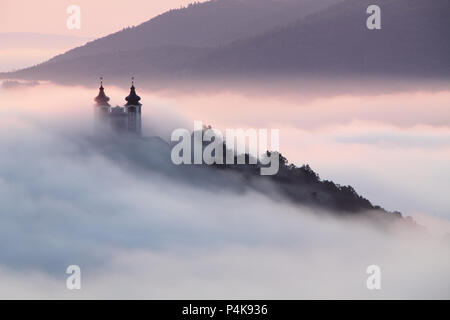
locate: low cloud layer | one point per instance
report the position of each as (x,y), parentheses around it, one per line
(136,233)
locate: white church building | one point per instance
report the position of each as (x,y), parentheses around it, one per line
(126,119)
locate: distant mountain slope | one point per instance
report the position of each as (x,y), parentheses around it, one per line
(414,39)
(147,63)
(211,23)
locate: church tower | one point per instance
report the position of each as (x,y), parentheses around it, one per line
(133,109)
(102,106)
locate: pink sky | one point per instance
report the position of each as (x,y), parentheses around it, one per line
(98,18)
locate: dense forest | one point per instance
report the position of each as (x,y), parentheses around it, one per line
(298,185)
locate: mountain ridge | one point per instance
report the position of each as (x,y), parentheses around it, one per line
(201,25)
(299,186)
(332,41)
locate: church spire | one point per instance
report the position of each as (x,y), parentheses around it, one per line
(102,99)
(133,98)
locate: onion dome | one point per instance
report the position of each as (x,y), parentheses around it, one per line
(133,98)
(102,99)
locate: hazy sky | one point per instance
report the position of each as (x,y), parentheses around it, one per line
(98,17)
(33,18)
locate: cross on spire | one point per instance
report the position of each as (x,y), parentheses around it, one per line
(133,98)
(102,99)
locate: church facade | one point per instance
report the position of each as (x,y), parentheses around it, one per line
(121,119)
